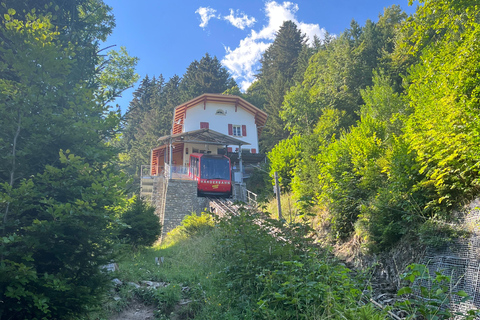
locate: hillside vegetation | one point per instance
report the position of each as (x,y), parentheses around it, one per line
(375,132)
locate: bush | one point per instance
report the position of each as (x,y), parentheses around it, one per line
(432,295)
(191,226)
(56,238)
(274,271)
(144,226)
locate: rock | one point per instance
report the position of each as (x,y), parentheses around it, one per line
(111,267)
(153,284)
(184,302)
(117,282)
(133,284)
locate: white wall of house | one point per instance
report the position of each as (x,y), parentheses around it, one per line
(219,116)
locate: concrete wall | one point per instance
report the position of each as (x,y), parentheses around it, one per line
(176,199)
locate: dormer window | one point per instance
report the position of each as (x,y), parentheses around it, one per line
(220,112)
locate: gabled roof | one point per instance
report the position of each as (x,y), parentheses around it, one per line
(179,111)
(203,136)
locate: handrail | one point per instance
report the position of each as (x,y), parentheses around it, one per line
(176,172)
(251,197)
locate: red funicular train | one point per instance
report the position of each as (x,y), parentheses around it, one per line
(213,173)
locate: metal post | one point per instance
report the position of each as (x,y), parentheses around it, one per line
(240,161)
(170,160)
(277,188)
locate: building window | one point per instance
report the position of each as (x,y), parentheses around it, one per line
(220,112)
(204,125)
(237,130)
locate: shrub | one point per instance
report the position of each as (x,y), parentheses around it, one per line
(143,226)
(432,296)
(56,239)
(274,270)
(191,226)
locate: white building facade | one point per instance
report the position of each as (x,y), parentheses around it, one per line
(226,114)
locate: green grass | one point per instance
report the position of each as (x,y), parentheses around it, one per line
(200,269)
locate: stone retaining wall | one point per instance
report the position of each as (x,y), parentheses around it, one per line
(177,199)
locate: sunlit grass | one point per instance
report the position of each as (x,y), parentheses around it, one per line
(195,273)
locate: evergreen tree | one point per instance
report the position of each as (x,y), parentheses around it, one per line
(138,107)
(173,96)
(279,64)
(57,211)
(340,69)
(205,76)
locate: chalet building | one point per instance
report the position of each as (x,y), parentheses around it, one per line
(210,123)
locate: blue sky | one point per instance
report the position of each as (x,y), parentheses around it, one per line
(168,35)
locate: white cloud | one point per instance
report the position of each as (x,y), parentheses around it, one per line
(206,13)
(241,21)
(243,61)
(276,15)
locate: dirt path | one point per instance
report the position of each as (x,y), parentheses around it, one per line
(136,311)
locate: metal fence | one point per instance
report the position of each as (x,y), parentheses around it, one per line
(176,172)
(461,260)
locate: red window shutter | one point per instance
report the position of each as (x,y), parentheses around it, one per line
(253,151)
(229,149)
(230,129)
(244,130)
(204,125)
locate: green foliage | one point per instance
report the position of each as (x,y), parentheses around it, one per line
(56,239)
(165,298)
(204,76)
(284,158)
(443,129)
(191,226)
(305,182)
(274,270)
(188,270)
(339,70)
(143,225)
(117,74)
(432,295)
(57,213)
(279,65)
(260,182)
(298,289)
(40,121)
(437,233)
(351,172)
(247,267)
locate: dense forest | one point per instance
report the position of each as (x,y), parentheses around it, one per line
(375,131)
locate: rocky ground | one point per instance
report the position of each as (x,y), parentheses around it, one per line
(136,311)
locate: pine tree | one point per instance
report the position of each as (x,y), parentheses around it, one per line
(205,76)
(278,67)
(340,69)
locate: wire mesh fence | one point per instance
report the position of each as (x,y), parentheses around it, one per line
(461,260)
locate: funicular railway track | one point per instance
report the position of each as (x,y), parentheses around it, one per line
(222,206)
